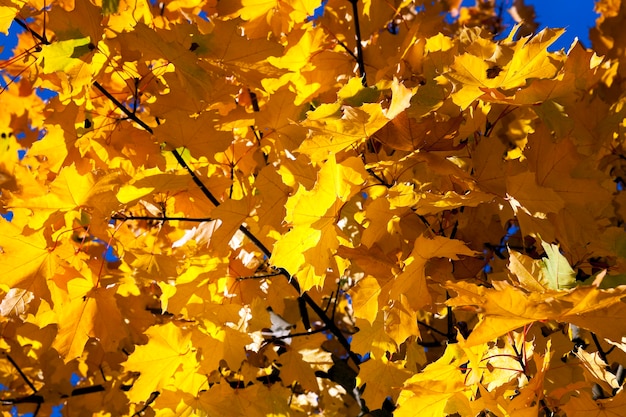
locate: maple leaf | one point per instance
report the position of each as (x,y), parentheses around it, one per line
(411,282)
(8,11)
(28,263)
(87,312)
(372,338)
(554,272)
(383,375)
(307,249)
(582,404)
(510,66)
(512,308)
(438,389)
(167,352)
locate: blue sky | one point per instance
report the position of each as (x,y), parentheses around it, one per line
(576,16)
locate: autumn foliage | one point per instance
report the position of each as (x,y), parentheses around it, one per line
(251,208)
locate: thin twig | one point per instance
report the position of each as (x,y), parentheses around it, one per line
(336,299)
(259,276)
(290,335)
(439,332)
(518,355)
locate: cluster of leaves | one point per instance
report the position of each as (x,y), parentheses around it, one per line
(294,208)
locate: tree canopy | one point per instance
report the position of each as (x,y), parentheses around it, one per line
(296,207)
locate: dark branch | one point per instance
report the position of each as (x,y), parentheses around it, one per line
(359,47)
(288,336)
(332,327)
(19,370)
(36,35)
(452,331)
(518,355)
(150,400)
(124,217)
(208,194)
(378,178)
(29,399)
(601,352)
(431,328)
(304,313)
(39,399)
(348,50)
(131,115)
(243,229)
(260,276)
(85,390)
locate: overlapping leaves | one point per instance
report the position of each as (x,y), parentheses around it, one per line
(284,208)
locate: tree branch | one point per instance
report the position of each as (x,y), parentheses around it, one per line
(36,35)
(40,399)
(288,336)
(123,217)
(431,328)
(328,322)
(259,276)
(131,115)
(601,352)
(359,47)
(150,400)
(19,370)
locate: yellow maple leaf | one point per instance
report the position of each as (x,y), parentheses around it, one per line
(26,262)
(372,338)
(168,351)
(71,190)
(381,375)
(581,404)
(505,308)
(8,10)
(307,249)
(294,368)
(439,389)
(64,55)
(411,282)
(334,131)
(87,311)
(525,59)
(553,272)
